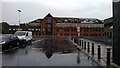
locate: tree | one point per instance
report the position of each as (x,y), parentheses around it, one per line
(4,28)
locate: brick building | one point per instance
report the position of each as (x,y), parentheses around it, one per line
(60,26)
(108,27)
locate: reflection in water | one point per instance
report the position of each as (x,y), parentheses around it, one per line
(49,52)
(78,57)
(53,44)
(48,47)
(36,54)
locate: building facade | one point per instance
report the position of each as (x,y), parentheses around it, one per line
(108,27)
(61,26)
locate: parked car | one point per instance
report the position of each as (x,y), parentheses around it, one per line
(24,36)
(10,42)
(16,40)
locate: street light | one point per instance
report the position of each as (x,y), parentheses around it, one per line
(19,18)
(78,31)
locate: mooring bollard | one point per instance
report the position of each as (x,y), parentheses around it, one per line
(92,49)
(85,45)
(99,52)
(88,47)
(108,56)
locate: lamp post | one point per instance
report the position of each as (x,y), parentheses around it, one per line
(78,31)
(19,18)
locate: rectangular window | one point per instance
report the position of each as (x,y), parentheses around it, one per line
(13,29)
(48,25)
(49,19)
(9,29)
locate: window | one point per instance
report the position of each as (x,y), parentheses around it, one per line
(80,34)
(110,33)
(32,29)
(13,29)
(49,19)
(29,29)
(107,33)
(65,21)
(48,25)
(49,30)
(72,30)
(99,35)
(64,29)
(36,29)
(9,29)
(67,29)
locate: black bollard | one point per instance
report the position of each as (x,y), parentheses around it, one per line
(85,45)
(108,56)
(80,43)
(88,47)
(99,52)
(92,49)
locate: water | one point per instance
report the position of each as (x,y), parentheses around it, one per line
(40,54)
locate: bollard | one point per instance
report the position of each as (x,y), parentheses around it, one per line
(73,39)
(88,47)
(108,56)
(85,45)
(92,49)
(99,52)
(80,43)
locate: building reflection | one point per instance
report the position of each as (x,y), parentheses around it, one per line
(49,52)
(48,47)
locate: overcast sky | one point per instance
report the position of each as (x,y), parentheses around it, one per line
(34,9)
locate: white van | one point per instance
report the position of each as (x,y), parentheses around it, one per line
(24,35)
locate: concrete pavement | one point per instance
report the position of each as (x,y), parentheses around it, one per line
(103,60)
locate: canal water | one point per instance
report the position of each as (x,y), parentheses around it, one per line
(39,53)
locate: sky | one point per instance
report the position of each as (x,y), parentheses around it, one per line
(34,9)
